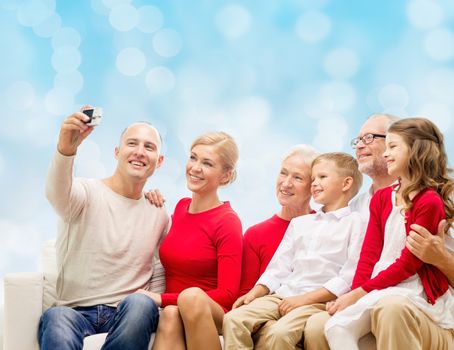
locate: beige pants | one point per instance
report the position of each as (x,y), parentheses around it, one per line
(285,333)
(396,324)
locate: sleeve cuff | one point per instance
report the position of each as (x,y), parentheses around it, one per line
(268,283)
(337,286)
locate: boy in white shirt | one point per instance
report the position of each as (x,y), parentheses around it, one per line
(314,263)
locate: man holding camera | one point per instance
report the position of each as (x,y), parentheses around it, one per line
(107,235)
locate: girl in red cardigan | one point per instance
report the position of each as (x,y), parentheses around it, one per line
(415,154)
(202,252)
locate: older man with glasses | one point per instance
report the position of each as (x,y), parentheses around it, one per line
(396,323)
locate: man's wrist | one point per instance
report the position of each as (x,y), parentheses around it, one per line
(66,153)
(445,261)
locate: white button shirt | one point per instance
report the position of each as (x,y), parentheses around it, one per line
(318,250)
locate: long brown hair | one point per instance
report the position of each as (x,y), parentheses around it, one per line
(427,163)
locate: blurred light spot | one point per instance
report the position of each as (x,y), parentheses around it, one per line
(131,61)
(150,19)
(313,26)
(253,113)
(48,27)
(337,96)
(393,96)
(72,82)
(247,77)
(341,63)
(439,84)
(167,43)
(233,21)
(331,134)
(65,59)
(40,129)
(88,163)
(99,7)
(124,17)
(20,96)
(113,3)
(10,5)
(171,169)
(439,44)
(160,80)
(424,14)
(440,114)
(2,163)
(59,102)
(66,36)
(33,12)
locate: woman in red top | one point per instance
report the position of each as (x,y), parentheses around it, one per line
(202,252)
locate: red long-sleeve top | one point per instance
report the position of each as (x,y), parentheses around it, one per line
(203,250)
(260,243)
(427,211)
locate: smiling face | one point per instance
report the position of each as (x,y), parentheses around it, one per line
(396,155)
(327,183)
(139,152)
(204,170)
(293,183)
(370,157)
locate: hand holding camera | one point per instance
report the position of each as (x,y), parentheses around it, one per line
(77,127)
(95,115)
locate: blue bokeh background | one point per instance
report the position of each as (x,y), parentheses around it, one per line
(272,73)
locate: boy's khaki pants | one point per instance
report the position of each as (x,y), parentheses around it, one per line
(285,333)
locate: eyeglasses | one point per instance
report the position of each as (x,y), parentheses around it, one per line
(366,139)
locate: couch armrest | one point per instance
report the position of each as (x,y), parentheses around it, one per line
(23,306)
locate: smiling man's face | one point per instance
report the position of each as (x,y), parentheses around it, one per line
(370,157)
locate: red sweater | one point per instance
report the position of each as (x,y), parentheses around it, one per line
(260,243)
(203,250)
(427,211)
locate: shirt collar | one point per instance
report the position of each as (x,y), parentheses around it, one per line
(338,214)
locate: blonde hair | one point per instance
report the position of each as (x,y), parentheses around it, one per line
(346,166)
(427,162)
(225,147)
(305,152)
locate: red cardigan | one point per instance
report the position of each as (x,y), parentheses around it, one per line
(427,211)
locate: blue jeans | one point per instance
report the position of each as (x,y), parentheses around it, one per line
(130,325)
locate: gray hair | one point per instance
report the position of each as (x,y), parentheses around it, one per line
(305,152)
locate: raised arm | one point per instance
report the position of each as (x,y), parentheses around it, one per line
(73,131)
(60,190)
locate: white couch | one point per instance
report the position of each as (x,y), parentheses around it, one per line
(28,294)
